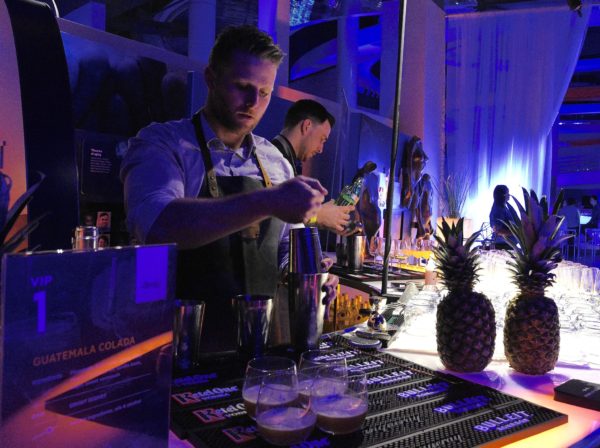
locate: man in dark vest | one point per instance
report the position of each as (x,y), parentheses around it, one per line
(223,194)
(306,128)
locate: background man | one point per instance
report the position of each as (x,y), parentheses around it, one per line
(571,213)
(306,128)
(594,221)
(201,182)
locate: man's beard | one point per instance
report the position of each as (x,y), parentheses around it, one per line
(226,117)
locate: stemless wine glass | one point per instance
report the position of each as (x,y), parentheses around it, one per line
(339,398)
(312,360)
(256,370)
(321,358)
(283,414)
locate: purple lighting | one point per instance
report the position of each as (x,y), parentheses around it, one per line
(425,391)
(463,405)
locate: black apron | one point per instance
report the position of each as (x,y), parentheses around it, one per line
(244,262)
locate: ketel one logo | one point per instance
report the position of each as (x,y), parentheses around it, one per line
(215,393)
(212,415)
(240,434)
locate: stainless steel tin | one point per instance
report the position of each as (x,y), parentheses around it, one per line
(86,237)
(305,251)
(350,252)
(306,309)
(187,333)
(253,315)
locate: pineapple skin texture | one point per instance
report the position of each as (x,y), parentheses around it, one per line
(465,331)
(532,334)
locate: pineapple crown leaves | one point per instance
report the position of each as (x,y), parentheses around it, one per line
(458,262)
(8,218)
(536,244)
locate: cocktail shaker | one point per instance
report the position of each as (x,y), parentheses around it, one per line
(306,309)
(187,333)
(350,252)
(305,251)
(305,289)
(253,314)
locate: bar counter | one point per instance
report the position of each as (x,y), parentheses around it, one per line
(536,389)
(415,342)
(419,346)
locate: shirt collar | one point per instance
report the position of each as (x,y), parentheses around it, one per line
(290,146)
(215,144)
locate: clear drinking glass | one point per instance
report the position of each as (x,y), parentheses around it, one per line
(283,414)
(256,370)
(321,358)
(374,250)
(597,284)
(313,360)
(381,248)
(587,280)
(400,251)
(339,398)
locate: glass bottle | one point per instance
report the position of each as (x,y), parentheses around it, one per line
(350,194)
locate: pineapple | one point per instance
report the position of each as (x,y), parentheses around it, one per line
(532,330)
(466,321)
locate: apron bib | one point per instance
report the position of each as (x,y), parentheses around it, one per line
(244,262)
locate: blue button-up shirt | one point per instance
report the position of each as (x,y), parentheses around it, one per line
(164,162)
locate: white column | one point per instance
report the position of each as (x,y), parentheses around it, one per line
(267,15)
(347,54)
(389,58)
(274,18)
(201,28)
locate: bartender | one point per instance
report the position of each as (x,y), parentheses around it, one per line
(306,128)
(223,194)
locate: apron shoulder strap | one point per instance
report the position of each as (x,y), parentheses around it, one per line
(211,177)
(264,173)
(210,169)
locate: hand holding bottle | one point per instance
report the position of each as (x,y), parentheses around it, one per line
(350,195)
(333,217)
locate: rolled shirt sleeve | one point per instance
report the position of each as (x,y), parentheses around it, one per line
(164,162)
(155,171)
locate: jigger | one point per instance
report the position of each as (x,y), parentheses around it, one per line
(305,251)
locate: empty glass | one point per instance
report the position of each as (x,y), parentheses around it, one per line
(374,250)
(256,370)
(400,248)
(283,414)
(381,248)
(339,398)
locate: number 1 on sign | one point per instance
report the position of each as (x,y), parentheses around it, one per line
(40,298)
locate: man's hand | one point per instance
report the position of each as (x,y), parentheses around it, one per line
(330,286)
(334,217)
(297,199)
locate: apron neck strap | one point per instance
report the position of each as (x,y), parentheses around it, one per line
(210,169)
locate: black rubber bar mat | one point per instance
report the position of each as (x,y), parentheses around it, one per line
(409,406)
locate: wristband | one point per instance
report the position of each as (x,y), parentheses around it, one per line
(312,222)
